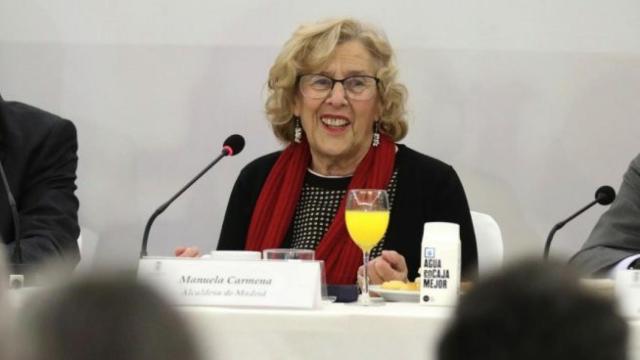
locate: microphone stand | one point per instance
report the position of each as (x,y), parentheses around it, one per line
(17,248)
(163,207)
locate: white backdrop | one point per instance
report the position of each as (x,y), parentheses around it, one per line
(533,102)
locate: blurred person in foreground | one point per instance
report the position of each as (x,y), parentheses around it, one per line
(614,243)
(38,151)
(107,317)
(335,103)
(534,311)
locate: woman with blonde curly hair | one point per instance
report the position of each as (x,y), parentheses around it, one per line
(336,104)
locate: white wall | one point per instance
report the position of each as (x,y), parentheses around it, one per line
(533,102)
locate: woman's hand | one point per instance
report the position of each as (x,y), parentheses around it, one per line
(183,251)
(386,267)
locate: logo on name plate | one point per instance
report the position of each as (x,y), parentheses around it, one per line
(429,252)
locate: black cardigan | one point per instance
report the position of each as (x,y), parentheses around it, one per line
(428,190)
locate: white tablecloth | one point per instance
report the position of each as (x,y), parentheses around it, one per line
(337,331)
(395,331)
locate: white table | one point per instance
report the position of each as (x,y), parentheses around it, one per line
(395,331)
(337,331)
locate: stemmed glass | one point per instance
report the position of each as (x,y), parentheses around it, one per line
(367,217)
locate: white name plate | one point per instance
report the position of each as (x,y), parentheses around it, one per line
(276,284)
(628,292)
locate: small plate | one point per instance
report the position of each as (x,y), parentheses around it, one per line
(396,295)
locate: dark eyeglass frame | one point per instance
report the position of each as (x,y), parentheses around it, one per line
(334,81)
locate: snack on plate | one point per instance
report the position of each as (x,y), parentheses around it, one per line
(411,286)
(400,285)
(393,285)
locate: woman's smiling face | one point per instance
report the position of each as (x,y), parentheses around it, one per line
(339,130)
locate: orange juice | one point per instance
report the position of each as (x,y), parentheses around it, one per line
(366,227)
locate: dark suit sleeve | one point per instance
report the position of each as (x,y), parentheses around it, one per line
(47,206)
(617,232)
(452,206)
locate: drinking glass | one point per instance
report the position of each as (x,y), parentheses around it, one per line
(367,217)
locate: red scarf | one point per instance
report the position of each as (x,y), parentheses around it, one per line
(280,193)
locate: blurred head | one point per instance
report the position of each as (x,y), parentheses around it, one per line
(534,311)
(337,116)
(105,318)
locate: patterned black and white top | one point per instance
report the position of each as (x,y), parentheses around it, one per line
(319,201)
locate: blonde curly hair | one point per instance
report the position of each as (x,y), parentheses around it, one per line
(311,47)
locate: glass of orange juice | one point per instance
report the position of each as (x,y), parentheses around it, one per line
(367,217)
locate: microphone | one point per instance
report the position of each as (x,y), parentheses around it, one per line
(604,196)
(233,145)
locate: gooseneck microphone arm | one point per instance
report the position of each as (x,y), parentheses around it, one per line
(561,224)
(17,249)
(163,207)
(604,196)
(232,146)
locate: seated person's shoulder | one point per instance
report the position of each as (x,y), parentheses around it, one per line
(261,165)
(415,162)
(635,163)
(24,118)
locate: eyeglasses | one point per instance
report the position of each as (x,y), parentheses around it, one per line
(358,87)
